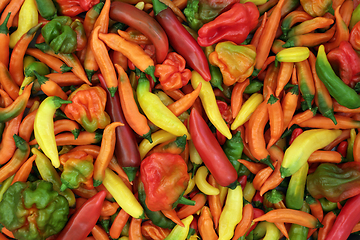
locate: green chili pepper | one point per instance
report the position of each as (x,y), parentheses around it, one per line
(233,149)
(5,185)
(178,232)
(327,205)
(296,189)
(298,232)
(216,75)
(46,9)
(253,87)
(342,93)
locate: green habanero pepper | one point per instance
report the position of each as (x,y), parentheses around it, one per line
(233,149)
(46,9)
(33,210)
(342,93)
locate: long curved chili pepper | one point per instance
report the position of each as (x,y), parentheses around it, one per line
(91,17)
(237,96)
(5,39)
(293,18)
(319,121)
(245,223)
(328,222)
(11,88)
(118,224)
(99,233)
(13,7)
(277,46)
(206,225)
(270,79)
(316,210)
(254,167)
(140,20)
(186,46)
(214,203)
(310,25)
(202,184)
(310,39)
(302,117)
(188,210)
(126,149)
(285,72)
(64,125)
(106,152)
(262,176)
(23,173)
(326,156)
(306,81)
(256,37)
(276,118)
(51,88)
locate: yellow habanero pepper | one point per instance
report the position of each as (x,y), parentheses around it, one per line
(231,214)
(303,146)
(202,184)
(208,101)
(122,194)
(28,18)
(44,127)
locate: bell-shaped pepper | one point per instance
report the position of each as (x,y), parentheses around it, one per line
(233,25)
(317,8)
(334,182)
(77,171)
(81,39)
(33,210)
(165,179)
(236,62)
(199,12)
(72,8)
(172,73)
(346,63)
(88,107)
(59,35)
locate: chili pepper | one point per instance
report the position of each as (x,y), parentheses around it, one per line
(13,8)
(249,191)
(293,54)
(202,184)
(316,8)
(326,156)
(292,18)
(337,191)
(24,171)
(216,76)
(306,82)
(275,117)
(247,109)
(180,233)
(310,25)
(328,223)
(91,17)
(326,123)
(301,117)
(297,231)
(72,8)
(4,35)
(327,205)
(25,197)
(158,137)
(243,16)
(209,103)
(118,224)
(187,210)
(46,9)
(241,58)
(186,46)
(262,176)
(302,147)
(122,194)
(90,112)
(215,160)
(296,189)
(343,136)
(354,36)
(50,88)
(44,127)
(253,87)
(267,230)
(295,133)
(233,149)
(156,111)
(133,17)
(206,227)
(232,213)
(349,151)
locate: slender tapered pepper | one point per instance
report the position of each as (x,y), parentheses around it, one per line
(296,231)
(157,217)
(306,143)
(327,205)
(306,82)
(46,9)
(294,54)
(233,149)
(186,46)
(33,210)
(296,189)
(156,111)
(44,127)
(216,76)
(180,233)
(341,92)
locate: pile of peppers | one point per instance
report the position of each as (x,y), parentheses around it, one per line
(182,119)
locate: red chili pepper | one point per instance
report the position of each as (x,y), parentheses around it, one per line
(296,132)
(242,180)
(258,199)
(126,149)
(84,219)
(185,45)
(210,151)
(342,148)
(346,220)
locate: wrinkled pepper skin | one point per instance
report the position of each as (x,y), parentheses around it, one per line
(46,9)
(334,182)
(88,107)
(236,62)
(233,25)
(316,8)
(59,35)
(72,8)
(165,178)
(33,210)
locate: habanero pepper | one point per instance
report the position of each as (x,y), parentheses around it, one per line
(233,25)
(46,9)
(316,8)
(185,45)
(126,148)
(72,8)
(211,152)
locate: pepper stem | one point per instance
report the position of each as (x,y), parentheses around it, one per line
(3,27)
(150,70)
(158,6)
(97,183)
(186,201)
(148,136)
(268,162)
(130,172)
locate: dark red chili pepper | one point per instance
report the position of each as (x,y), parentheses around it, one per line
(346,220)
(185,45)
(211,152)
(296,132)
(141,21)
(257,213)
(84,219)
(126,149)
(342,148)
(242,180)
(258,199)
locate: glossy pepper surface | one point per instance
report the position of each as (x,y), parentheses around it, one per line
(233,149)
(233,25)
(88,107)
(72,8)
(165,179)
(33,210)
(236,62)
(316,8)
(335,183)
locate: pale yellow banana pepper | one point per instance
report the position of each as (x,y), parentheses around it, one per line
(202,184)
(247,109)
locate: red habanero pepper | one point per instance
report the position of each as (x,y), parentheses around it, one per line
(141,21)
(84,219)
(233,25)
(342,148)
(72,8)
(185,45)
(211,152)
(126,148)
(346,220)
(296,132)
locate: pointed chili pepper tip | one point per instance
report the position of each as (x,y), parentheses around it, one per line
(148,136)
(97,182)
(158,6)
(130,172)
(268,162)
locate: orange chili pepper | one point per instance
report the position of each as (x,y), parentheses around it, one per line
(346,8)
(345,134)
(84,193)
(119,59)
(237,96)
(133,35)
(135,229)
(99,233)
(262,176)
(67,138)
(245,223)
(8,233)
(317,211)
(66,125)
(281,226)
(3,4)
(172,215)
(325,156)
(303,117)
(13,7)
(319,121)
(206,225)
(151,231)
(188,210)
(285,73)
(276,118)
(256,37)
(214,202)
(27,126)
(7,82)
(253,167)
(5,39)
(53,62)
(328,222)
(109,208)
(118,224)
(23,173)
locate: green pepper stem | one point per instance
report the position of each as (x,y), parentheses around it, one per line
(97,183)
(148,136)
(150,70)
(268,162)
(3,27)
(130,172)
(158,6)
(186,201)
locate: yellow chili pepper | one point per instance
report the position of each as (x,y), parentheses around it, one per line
(351,140)
(166,100)
(231,214)
(44,127)
(267,230)
(293,54)
(5,185)
(191,184)
(256,2)
(208,101)
(202,184)
(122,194)
(28,18)
(223,194)
(194,154)
(158,137)
(157,112)
(247,109)
(249,191)
(178,232)
(303,146)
